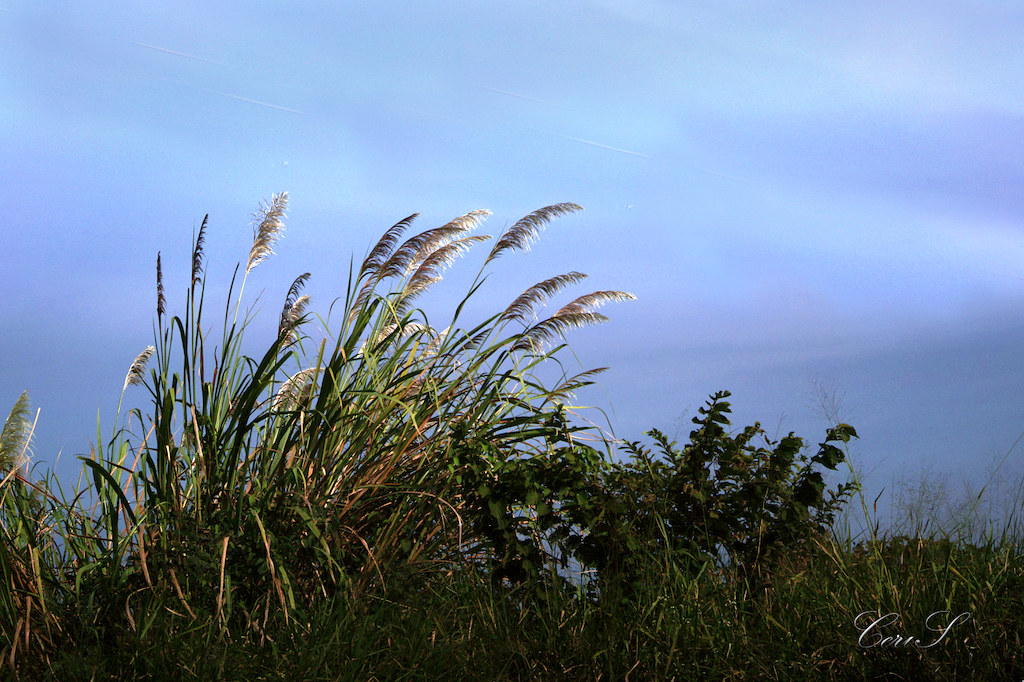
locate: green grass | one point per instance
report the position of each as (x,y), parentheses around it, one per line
(797,626)
(398,501)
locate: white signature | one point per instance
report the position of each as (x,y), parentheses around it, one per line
(871,635)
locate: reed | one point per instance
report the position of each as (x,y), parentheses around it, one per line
(398,500)
(250,490)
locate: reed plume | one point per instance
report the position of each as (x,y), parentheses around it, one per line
(161,302)
(197,253)
(429,271)
(573,315)
(416,249)
(525,305)
(525,230)
(134,375)
(554,327)
(294,308)
(585,303)
(397,331)
(267,225)
(384,248)
(295,391)
(386,261)
(294,316)
(567,388)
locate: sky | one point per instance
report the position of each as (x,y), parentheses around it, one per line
(817,205)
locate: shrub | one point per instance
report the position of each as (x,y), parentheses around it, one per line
(720,500)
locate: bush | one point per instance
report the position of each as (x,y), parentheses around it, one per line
(718,501)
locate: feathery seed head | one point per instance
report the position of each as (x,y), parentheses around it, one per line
(299,308)
(393,332)
(161,302)
(294,307)
(197,253)
(291,317)
(267,225)
(585,304)
(526,229)
(574,315)
(138,366)
(295,391)
(555,327)
(566,390)
(525,305)
(416,249)
(384,248)
(429,271)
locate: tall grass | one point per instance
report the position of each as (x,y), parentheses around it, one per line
(398,500)
(257,485)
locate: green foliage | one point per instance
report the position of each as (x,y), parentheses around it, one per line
(722,497)
(529,515)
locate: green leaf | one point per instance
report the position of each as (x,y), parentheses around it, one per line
(842,432)
(98,470)
(829,456)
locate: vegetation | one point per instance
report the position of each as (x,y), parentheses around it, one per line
(402,501)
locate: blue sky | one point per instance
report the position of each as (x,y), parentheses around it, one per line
(797,193)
